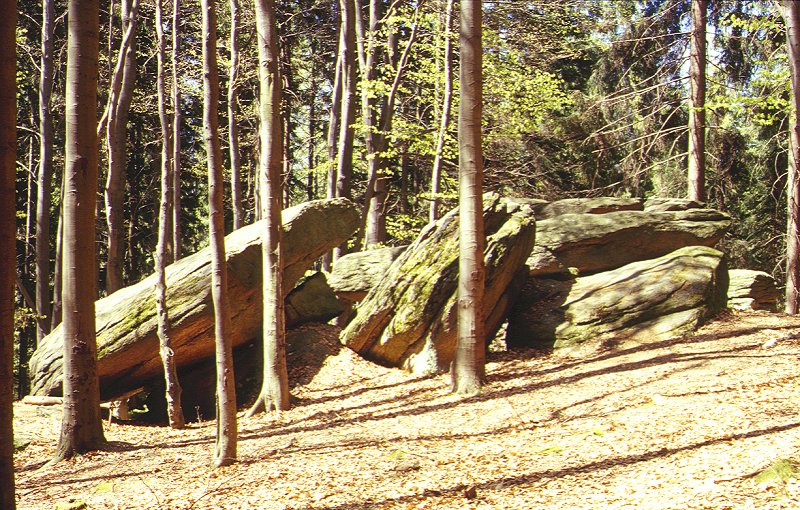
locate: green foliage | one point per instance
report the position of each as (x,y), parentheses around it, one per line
(780,472)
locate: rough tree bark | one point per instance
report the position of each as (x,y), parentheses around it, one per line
(45,177)
(225,448)
(173,387)
(81,425)
(275,380)
(697,110)
(447,100)
(792,17)
(233,125)
(8,161)
(120,99)
(468,369)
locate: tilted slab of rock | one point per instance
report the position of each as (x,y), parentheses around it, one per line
(126,320)
(591,243)
(645,301)
(409,318)
(752,290)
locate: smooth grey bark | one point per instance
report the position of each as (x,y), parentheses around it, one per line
(792,18)
(226,438)
(56,315)
(349,75)
(379,116)
(697,108)
(444,121)
(81,425)
(176,248)
(44,178)
(233,124)
(173,387)
(274,392)
(8,162)
(468,369)
(119,105)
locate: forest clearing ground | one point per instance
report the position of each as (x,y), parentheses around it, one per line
(678,424)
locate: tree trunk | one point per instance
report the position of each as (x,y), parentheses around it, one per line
(468,369)
(173,387)
(81,425)
(447,100)
(233,126)
(792,18)
(45,176)
(176,136)
(379,125)
(312,127)
(225,450)
(56,317)
(8,162)
(275,383)
(697,110)
(347,57)
(116,140)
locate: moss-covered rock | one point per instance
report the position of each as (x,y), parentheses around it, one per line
(644,301)
(598,242)
(409,318)
(126,320)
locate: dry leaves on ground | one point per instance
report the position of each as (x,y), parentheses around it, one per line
(679,424)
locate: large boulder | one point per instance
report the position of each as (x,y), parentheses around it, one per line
(597,205)
(588,243)
(645,301)
(752,290)
(409,318)
(312,300)
(126,320)
(354,274)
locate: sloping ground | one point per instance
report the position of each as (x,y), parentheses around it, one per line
(680,424)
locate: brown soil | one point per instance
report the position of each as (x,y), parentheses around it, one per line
(679,424)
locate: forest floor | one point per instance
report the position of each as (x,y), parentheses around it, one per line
(688,423)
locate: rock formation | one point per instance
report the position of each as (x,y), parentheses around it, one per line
(126,320)
(649,300)
(408,319)
(752,290)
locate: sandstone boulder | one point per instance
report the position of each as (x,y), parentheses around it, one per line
(354,274)
(644,301)
(588,243)
(752,290)
(126,320)
(599,205)
(409,318)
